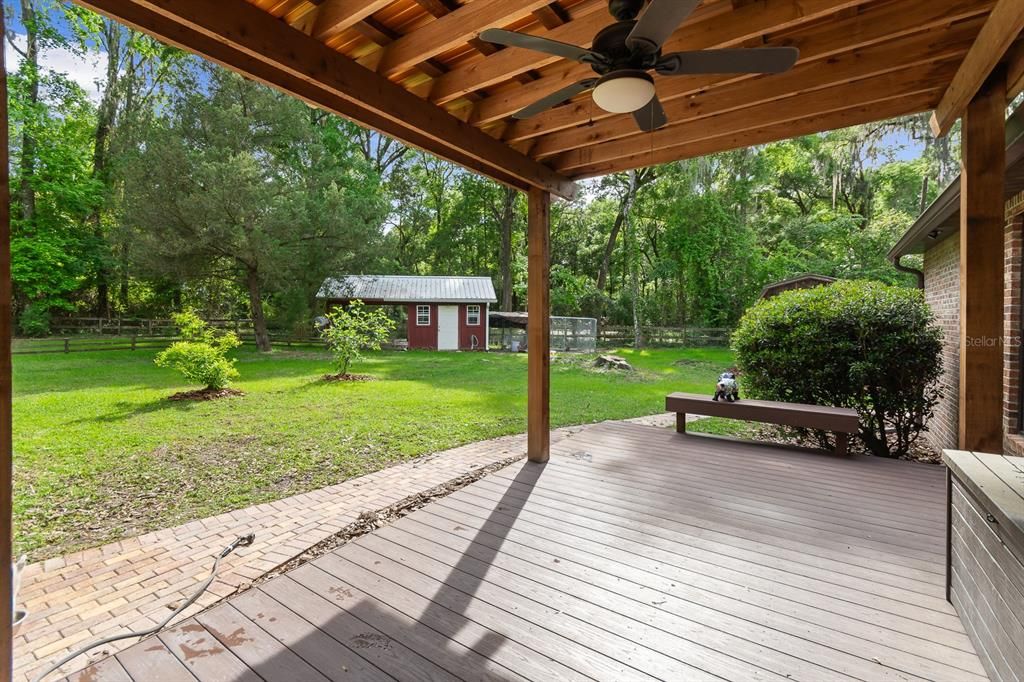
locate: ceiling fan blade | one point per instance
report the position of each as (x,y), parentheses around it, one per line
(555,98)
(749,60)
(651,116)
(500,36)
(658,22)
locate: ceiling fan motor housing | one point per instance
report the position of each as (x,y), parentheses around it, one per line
(610,44)
(625,9)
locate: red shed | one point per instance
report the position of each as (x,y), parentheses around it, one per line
(444,313)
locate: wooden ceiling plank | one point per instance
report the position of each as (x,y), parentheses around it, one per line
(874,25)
(455,28)
(791,109)
(337,16)
(705,28)
(899,105)
(1015,71)
(903,53)
(287,57)
(1004,25)
(551,16)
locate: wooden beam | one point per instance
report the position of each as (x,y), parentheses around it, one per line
(902,54)
(816,42)
(6,396)
(1015,71)
(1002,28)
(337,16)
(538,326)
(254,35)
(861,113)
(795,108)
(452,30)
(502,65)
(982,218)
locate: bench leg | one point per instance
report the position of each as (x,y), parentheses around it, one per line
(842,443)
(680,422)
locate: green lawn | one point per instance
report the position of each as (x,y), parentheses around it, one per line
(101,454)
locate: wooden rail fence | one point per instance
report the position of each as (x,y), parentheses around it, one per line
(665,336)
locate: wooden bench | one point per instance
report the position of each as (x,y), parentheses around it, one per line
(840,420)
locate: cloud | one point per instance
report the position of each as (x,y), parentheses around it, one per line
(87,70)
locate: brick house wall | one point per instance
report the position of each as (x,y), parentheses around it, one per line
(942,293)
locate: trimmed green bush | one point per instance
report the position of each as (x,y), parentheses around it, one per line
(865,345)
(201,354)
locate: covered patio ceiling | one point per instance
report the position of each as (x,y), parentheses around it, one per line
(418,70)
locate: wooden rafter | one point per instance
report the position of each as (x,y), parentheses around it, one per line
(336,16)
(874,26)
(452,30)
(834,98)
(899,105)
(807,77)
(1004,25)
(254,35)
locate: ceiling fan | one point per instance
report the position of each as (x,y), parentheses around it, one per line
(624,52)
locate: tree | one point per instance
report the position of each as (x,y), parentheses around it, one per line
(201,355)
(355,329)
(246,183)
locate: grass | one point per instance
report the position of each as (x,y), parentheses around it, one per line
(100,453)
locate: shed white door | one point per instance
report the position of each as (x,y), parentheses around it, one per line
(448,327)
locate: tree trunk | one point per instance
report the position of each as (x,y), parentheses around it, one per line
(507,220)
(259,322)
(105,114)
(635,180)
(27,162)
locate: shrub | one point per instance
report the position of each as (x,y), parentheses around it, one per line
(864,345)
(354,329)
(201,354)
(34,320)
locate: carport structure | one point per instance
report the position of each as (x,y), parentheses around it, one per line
(418,70)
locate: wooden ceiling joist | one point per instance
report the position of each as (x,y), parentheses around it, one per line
(337,16)
(451,30)
(911,81)
(256,35)
(900,105)
(837,72)
(873,26)
(997,35)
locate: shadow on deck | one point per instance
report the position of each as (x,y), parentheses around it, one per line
(635,553)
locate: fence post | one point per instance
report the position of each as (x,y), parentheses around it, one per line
(67,345)
(100,322)
(134,336)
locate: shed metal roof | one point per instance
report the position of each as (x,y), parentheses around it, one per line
(409,289)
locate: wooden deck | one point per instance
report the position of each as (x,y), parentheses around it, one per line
(635,553)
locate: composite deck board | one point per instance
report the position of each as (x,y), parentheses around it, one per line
(634,554)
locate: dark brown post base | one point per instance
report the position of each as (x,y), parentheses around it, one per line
(842,443)
(680,422)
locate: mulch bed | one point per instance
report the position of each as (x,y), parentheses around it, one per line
(349,377)
(206,394)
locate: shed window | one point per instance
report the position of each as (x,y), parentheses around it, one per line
(473,315)
(423,316)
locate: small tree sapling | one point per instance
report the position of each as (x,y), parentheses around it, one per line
(355,329)
(201,353)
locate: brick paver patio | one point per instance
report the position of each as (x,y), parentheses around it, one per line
(132,584)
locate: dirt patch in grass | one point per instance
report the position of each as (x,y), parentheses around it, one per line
(206,394)
(349,377)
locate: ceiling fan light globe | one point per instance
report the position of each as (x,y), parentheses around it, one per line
(624,94)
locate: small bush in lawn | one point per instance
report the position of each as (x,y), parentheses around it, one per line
(201,354)
(355,329)
(864,345)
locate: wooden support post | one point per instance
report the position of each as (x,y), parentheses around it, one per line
(6,330)
(981,267)
(680,422)
(538,327)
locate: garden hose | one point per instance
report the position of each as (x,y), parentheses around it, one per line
(240,541)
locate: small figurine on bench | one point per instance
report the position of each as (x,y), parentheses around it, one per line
(727,389)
